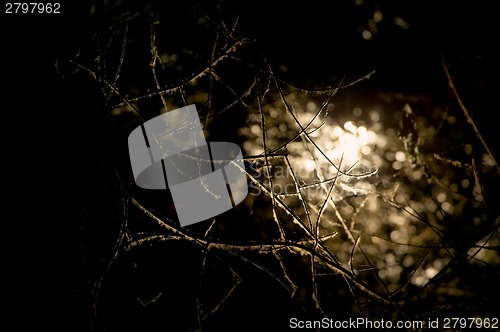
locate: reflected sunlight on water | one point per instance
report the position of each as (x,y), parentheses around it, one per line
(368,160)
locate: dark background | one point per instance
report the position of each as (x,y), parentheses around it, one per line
(42,161)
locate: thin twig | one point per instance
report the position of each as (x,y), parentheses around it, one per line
(468,116)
